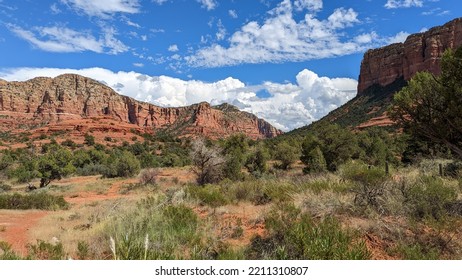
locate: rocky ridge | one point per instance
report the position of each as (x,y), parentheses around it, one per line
(68,99)
(420,52)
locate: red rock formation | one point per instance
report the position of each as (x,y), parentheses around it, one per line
(420,52)
(45,102)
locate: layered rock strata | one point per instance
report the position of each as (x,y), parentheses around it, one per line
(46,101)
(420,52)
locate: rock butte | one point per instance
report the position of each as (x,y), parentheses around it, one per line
(44,102)
(420,52)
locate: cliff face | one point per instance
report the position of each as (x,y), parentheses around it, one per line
(46,101)
(420,52)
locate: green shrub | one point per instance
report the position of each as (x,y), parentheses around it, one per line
(6,253)
(363,174)
(39,200)
(416,251)
(83,250)
(6,160)
(211,195)
(89,139)
(149,160)
(46,251)
(428,198)
(294,235)
(69,143)
(4,187)
(122,164)
(92,169)
(368,183)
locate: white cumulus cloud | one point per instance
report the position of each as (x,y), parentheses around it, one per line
(281,38)
(394,4)
(287,106)
(400,37)
(173,48)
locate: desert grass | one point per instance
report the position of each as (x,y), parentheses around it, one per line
(180,220)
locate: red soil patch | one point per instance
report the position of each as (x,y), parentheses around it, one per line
(112,193)
(377,247)
(15,227)
(244,215)
(383,120)
(103,129)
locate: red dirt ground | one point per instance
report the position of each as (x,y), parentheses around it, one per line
(112,193)
(16,225)
(245,215)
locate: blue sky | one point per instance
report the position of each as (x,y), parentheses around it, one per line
(288,61)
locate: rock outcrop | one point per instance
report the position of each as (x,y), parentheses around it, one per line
(420,52)
(45,101)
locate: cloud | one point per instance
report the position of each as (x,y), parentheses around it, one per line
(157,30)
(138,64)
(131,23)
(288,106)
(232,13)
(173,48)
(221,33)
(159,2)
(400,37)
(394,4)
(436,11)
(208,4)
(54,9)
(310,5)
(103,8)
(66,40)
(281,38)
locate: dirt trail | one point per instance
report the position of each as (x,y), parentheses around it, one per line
(15,226)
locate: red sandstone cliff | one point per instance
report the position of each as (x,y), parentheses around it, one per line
(42,102)
(420,52)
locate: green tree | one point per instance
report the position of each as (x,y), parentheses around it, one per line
(81,158)
(431,107)
(338,145)
(122,164)
(235,150)
(256,161)
(286,153)
(55,165)
(315,161)
(6,160)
